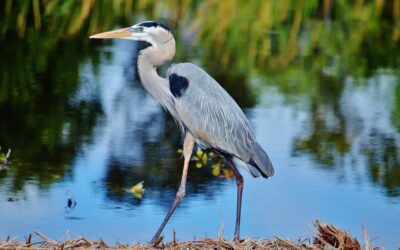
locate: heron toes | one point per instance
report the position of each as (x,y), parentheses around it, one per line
(236,239)
(155,241)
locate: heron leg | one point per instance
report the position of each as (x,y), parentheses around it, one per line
(239,184)
(187,152)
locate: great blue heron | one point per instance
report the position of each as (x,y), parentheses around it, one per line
(207,115)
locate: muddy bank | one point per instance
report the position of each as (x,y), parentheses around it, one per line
(327,237)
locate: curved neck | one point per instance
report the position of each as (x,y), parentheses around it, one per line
(158,87)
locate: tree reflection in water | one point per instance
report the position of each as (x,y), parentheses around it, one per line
(383,159)
(328,140)
(353,123)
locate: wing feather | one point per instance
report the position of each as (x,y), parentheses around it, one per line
(211,114)
(215,119)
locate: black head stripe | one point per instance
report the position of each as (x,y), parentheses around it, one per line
(154,24)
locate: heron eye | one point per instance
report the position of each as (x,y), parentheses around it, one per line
(137,29)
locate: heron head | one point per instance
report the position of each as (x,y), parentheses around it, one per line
(149,31)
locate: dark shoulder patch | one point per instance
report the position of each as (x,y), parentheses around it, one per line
(178,84)
(154,24)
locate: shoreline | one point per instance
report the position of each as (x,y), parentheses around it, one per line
(326,237)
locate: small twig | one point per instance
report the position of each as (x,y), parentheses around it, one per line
(174,236)
(366,239)
(47,239)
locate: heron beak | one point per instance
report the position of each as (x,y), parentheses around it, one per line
(121,33)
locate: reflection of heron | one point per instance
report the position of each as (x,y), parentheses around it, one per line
(205,112)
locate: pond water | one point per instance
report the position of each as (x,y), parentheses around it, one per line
(82,131)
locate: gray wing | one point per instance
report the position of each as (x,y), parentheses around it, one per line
(214,118)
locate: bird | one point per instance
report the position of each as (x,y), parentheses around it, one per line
(205,113)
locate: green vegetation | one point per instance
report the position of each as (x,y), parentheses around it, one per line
(4,159)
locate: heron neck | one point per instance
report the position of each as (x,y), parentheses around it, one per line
(157,86)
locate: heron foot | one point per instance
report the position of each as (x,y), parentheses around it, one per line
(156,240)
(236,238)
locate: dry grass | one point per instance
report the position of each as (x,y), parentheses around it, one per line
(327,237)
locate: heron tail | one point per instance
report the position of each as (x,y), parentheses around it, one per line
(261,161)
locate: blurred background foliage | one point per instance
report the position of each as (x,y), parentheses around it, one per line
(304,48)
(243,35)
(276,38)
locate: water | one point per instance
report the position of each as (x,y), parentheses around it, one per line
(83,131)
